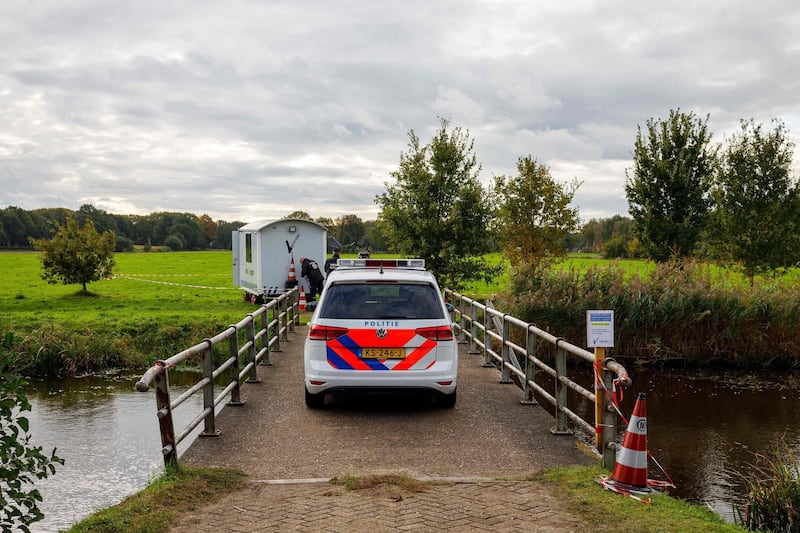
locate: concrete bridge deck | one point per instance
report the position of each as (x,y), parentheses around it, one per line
(480,454)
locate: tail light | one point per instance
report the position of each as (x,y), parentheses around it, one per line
(325,333)
(437,333)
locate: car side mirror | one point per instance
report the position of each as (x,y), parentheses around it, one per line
(450,307)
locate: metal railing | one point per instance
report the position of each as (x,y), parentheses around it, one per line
(245,344)
(495,334)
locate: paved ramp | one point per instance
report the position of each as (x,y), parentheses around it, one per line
(485,447)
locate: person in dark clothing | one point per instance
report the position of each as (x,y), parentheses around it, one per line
(329,262)
(310,270)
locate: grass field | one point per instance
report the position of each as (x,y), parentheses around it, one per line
(155,305)
(177,287)
(160,303)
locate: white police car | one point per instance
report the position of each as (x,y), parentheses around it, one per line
(380,324)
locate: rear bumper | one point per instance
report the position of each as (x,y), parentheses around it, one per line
(441,377)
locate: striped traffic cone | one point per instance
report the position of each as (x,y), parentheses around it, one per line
(631,465)
(292,278)
(629,476)
(302,299)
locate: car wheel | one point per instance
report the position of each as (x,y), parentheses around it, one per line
(315,401)
(447,400)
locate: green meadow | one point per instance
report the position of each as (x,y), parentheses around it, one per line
(155,305)
(181,287)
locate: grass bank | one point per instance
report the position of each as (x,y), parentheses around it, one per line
(154,509)
(158,506)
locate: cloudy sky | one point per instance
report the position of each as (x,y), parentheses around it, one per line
(249,110)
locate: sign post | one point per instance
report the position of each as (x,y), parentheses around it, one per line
(599,335)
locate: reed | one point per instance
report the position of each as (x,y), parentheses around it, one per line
(773,500)
(684,312)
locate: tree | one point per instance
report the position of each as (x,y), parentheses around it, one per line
(351,231)
(437,209)
(208,227)
(668,191)
(756,201)
(299,214)
(533,214)
(224,231)
(77,254)
(21,462)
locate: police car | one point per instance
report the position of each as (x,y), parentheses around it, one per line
(380,324)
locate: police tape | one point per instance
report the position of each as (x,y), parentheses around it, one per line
(138,277)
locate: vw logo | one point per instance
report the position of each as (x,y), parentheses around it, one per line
(381,333)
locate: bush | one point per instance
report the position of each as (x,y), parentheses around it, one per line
(22,463)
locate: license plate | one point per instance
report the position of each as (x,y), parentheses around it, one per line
(383,353)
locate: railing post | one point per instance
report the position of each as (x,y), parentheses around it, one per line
(530,368)
(209,424)
(293,312)
(487,361)
(505,373)
(265,338)
(165,425)
(473,328)
(609,450)
(252,376)
(233,370)
(276,321)
(462,337)
(560,391)
(285,303)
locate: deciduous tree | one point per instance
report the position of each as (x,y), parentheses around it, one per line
(533,214)
(668,190)
(76,254)
(757,201)
(437,209)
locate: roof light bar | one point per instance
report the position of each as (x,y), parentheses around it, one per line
(410,264)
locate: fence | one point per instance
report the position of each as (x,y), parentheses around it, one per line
(491,330)
(244,344)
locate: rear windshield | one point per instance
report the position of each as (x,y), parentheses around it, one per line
(381,300)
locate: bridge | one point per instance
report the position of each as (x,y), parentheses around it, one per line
(476,461)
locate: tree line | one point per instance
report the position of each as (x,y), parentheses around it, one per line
(18,226)
(176,231)
(734,202)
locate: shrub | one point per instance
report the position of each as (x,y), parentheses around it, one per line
(22,463)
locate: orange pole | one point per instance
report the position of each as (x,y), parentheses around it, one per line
(599,397)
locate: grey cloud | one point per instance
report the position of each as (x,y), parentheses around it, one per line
(249,109)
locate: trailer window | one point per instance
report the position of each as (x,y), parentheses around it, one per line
(248,247)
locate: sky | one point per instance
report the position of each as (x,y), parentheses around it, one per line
(248,110)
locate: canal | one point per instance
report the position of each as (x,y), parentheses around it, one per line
(704,430)
(108,436)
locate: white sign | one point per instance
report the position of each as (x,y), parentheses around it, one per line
(600,329)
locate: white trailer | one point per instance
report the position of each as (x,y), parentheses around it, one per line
(264,251)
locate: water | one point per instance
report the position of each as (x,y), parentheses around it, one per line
(704,431)
(107,434)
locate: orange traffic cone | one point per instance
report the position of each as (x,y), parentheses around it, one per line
(629,476)
(292,277)
(302,299)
